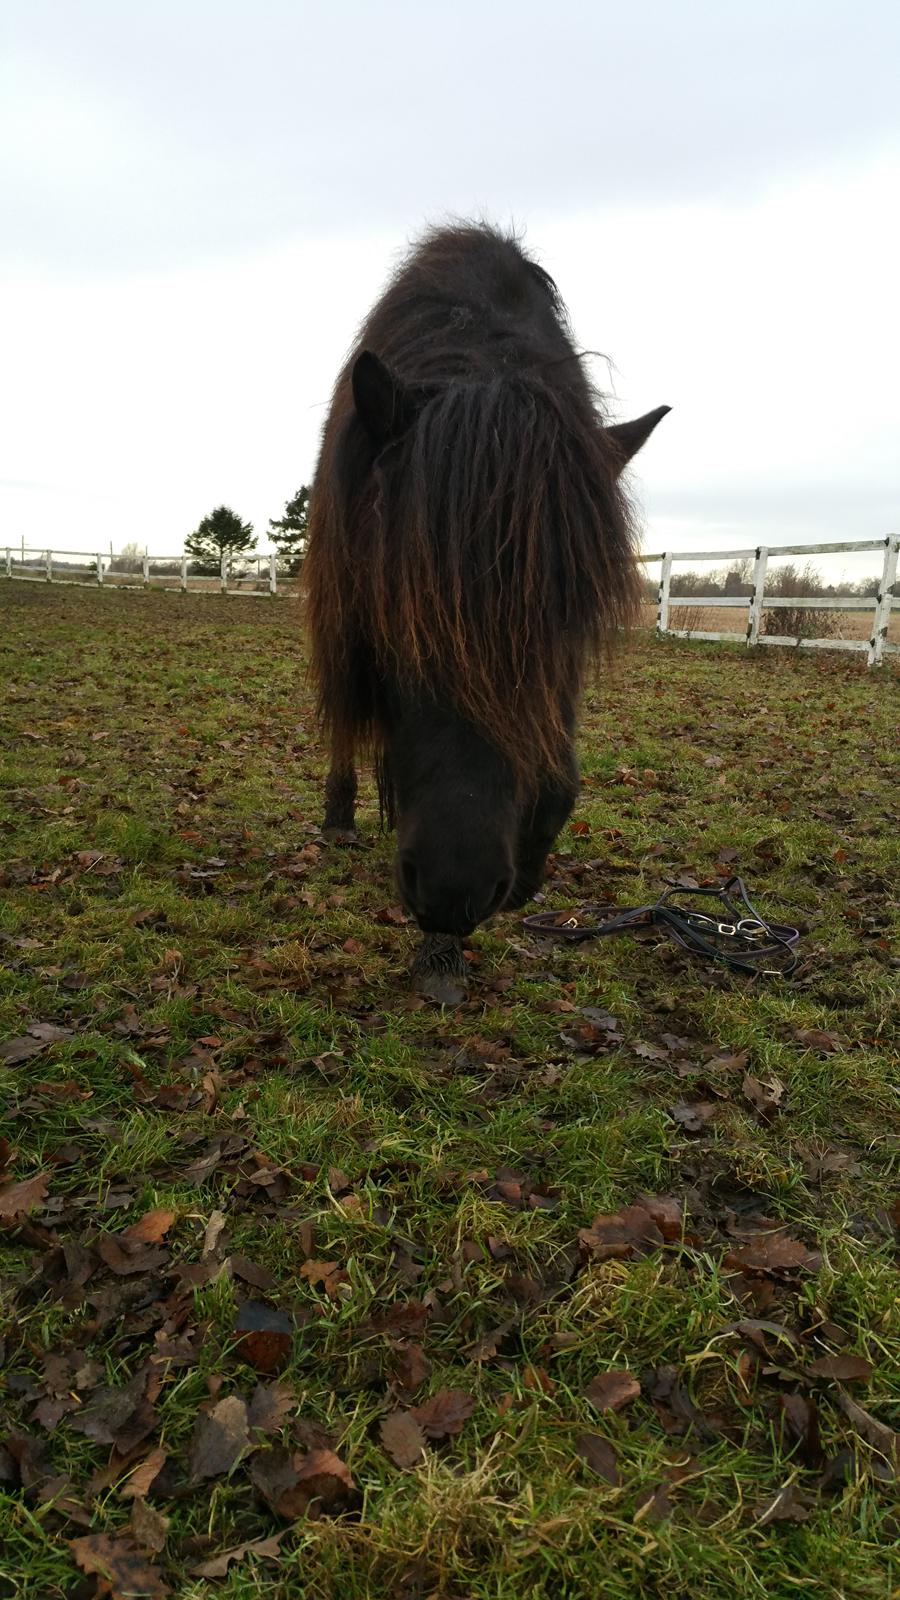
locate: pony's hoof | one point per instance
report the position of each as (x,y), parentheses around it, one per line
(439,971)
(438,987)
(340,836)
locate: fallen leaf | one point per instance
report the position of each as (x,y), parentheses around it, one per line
(610,1391)
(788,1505)
(291,1483)
(774,1253)
(653,1505)
(599,1455)
(693,1115)
(130,1258)
(264,1336)
(270,1406)
(844,1368)
(124,1572)
(15,1051)
(411,1366)
(213,1231)
(323,1476)
(674,1406)
(818,1039)
(17,1199)
(141,1480)
(149,1229)
(217,1566)
(149,1527)
(219,1440)
(318,1271)
(35,1039)
(621,1234)
(882,1438)
(445,1413)
(765,1097)
(800,1423)
(402,1438)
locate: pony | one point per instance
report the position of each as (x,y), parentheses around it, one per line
(470,551)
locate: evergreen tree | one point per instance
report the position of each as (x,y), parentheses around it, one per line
(289,532)
(222,532)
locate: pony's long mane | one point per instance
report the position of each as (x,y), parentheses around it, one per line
(485,556)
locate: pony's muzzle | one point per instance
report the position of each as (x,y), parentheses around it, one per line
(444,903)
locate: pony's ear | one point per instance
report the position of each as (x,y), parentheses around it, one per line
(382,404)
(629,436)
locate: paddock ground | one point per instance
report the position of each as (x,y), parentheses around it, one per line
(215,1094)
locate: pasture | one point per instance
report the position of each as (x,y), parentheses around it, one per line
(588,1287)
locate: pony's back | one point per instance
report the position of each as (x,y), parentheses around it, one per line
(480,550)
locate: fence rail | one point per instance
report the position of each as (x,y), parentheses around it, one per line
(757,602)
(259,575)
(249,574)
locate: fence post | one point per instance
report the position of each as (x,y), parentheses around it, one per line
(273,574)
(881,620)
(8,562)
(223,571)
(49,566)
(99,569)
(662,599)
(754,616)
(184,571)
(146,568)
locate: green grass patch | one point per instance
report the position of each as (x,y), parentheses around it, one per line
(411,1188)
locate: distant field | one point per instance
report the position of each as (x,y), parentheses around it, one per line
(587,1289)
(733,619)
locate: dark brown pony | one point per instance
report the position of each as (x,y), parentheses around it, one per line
(470,550)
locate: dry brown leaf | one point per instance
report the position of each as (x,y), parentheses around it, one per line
(125,1261)
(788,1505)
(264,1336)
(610,1391)
(213,1231)
(140,1481)
(764,1095)
(621,1234)
(773,1253)
(693,1115)
(220,1438)
(402,1438)
(17,1199)
(445,1413)
(599,1455)
(844,1368)
(818,1039)
(149,1527)
(150,1228)
(124,1572)
(882,1438)
(270,1406)
(411,1366)
(318,1271)
(217,1566)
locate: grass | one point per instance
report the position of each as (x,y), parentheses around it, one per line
(165,895)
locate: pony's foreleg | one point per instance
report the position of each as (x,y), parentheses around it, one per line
(340,800)
(439,971)
(552,808)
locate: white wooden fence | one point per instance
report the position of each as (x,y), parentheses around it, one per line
(259,575)
(250,574)
(876,646)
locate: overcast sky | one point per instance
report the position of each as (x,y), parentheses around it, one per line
(199,201)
